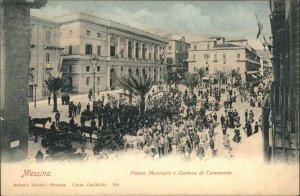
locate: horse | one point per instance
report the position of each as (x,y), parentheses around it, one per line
(89,130)
(41,121)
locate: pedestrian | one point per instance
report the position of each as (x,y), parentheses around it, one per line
(237,135)
(246,116)
(256,128)
(57,116)
(52,127)
(49,99)
(79,108)
(39,157)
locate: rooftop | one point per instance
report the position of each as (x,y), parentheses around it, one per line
(225,45)
(106,22)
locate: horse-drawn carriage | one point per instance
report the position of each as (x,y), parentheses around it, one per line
(108,140)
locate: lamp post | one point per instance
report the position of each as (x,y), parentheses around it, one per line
(35,85)
(94,60)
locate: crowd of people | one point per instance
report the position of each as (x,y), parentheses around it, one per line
(175,122)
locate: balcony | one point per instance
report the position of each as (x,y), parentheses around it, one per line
(48,66)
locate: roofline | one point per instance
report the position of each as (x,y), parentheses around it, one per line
(108,24)
(236,40)
(44,19)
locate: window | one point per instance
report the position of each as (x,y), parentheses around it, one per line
(121,68)
(150,55)
(87,68)
(88,49)
(215,57)
(99,50)
(98,68)
(238,56)
(224,58)
(88,33)
(47,57)
(206,57)
(195,47)
(206,69)
(70,32)
(98,35)
(160,47)
(208,46)
(194,68)
(194,57)
(70,69)
(98,80)
(70,49)
(48,37)
(87,81)
(112,51)
(170,47)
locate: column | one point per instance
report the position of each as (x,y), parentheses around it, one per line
(133,50)
(141,50)
(107,77)
(126,48)
(118,46)
(147,52)
(153,51)
(108,45)
(158,53)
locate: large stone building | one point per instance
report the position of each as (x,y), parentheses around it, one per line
(217,54)
(120,49)
(45,56)
(177,53)
(281,106)
(14,64)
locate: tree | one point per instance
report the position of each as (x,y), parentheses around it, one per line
(221,75)
(54,85)
(168,78)
(232,74)
(201,73)
(191,80)
(139,86)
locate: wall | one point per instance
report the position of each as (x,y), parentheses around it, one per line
(15,57)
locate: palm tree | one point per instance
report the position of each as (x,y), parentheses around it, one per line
(54,85)
(191,80)
(232,74)
(168,78)
(139,86)
(221,75)
(201,73)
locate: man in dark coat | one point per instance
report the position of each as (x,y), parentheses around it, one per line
(256,128)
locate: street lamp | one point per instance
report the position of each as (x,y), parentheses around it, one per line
(35,85)
(94,60)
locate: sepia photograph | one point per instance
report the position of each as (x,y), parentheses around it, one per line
(106,97)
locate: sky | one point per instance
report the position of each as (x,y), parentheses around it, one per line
(193,19)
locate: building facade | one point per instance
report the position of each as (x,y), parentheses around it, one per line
(177,53)
(217,54)
(281,106)
(121,50)
(45,56)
